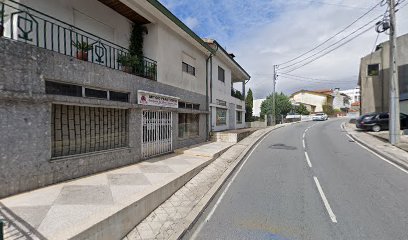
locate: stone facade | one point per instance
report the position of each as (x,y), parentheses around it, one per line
(26,159)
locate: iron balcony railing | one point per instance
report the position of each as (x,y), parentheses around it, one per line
(22,23)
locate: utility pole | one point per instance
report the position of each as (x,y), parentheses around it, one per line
(275,76)
(394,120)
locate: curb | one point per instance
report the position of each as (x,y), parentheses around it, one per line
(380,153)
(202,205)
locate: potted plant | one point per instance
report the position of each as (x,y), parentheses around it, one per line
(128,62)
(82,50)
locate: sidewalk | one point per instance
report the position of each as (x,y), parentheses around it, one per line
(105,205)
(378,142)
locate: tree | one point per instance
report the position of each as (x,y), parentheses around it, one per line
(301,109)
(249,105)
(283,106)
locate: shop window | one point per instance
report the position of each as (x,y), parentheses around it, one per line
(188,125)
(221,116)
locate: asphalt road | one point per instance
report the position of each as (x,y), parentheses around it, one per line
(343,192)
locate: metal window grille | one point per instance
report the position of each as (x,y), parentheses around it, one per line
(156,133)
(79,129)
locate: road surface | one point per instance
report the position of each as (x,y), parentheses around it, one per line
(309,181)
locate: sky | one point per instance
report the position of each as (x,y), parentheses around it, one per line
(263,33)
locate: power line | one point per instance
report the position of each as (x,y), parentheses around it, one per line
(331,45)
(316,82)
(339,5)
(318,79)
(330,38)
(295,68)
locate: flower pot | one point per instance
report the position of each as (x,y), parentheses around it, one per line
(1,30)
(81,55)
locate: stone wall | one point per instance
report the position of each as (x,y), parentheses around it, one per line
(26,159)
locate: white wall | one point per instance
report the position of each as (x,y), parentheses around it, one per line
(354,94)
(169,56)
(222,91)
(312,99)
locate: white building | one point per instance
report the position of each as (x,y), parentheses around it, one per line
(227,103)
(354,94)
(313,98)
(257,107)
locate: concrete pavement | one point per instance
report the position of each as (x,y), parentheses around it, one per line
(106,205)
(378,142)
(346,192)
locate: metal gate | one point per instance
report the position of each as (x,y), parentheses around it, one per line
(156,133)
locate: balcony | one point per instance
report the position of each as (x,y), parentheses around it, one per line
(22,23)
(237,94)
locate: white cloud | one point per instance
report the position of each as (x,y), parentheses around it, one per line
(262,33)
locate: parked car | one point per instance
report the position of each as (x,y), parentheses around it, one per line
(320,117)
(379,121)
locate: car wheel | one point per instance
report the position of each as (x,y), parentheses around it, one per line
(376,128)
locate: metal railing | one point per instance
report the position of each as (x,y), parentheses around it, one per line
(28,25)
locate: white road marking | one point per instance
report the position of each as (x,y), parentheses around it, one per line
(379,156)
(304,135)
(326,203)
(199,228)
(304,145)
(308,160)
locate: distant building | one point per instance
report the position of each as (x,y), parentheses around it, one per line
(375,77)
(354,94)
(314,98)
(256,110)
(341,101)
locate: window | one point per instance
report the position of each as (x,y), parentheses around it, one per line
(373,69)
(221,74)
(189,106)
(118,96)
(94,93)
(239,106)
(239,117)
(188,125)
(221,116)
(188,68)
(63,89)
(79,129)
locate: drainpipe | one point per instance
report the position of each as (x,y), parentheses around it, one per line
(210,58)
(207,108)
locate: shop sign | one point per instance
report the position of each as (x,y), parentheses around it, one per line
(156,99)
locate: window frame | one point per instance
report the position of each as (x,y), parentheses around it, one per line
(222,70)
(217,122)
(187,68)
(373,72)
